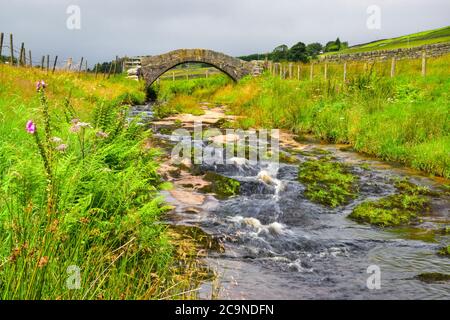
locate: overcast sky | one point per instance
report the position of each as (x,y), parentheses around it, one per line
(235,27)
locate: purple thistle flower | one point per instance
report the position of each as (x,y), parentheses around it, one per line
(40,85)
(30,127)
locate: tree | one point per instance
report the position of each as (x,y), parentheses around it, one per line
(298,53)
(280,53)
(314,49)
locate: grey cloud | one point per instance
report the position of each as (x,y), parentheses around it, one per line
(235,27)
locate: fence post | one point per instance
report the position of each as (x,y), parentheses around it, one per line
(173,75)
(393,67)
(42,62)
(281,71)
(29,57)
(85,66)
(424,63)
(54,64)
(311,71)
(11,58)
(1,43)
(81,64)
(290,70)
(325,71)
(48,62)
(20,61)
(345,71)
(110,68)
(298,72)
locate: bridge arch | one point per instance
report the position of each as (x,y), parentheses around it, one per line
(154,66)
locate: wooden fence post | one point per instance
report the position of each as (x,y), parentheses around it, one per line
(1,43)
(54,64)
(29,58)
(393,67)
(173,75)
(48,62)
(81,65)
(11,58)
(311,71)
(85,66)
(298,72)
(345,71)
(290,70)
(110,68)
(42,62)
(20,61)
(325,71)
(424,63)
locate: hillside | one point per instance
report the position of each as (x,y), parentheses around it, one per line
(412,40)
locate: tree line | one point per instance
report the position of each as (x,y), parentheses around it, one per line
(299,52)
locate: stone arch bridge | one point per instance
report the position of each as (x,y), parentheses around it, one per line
(152,67)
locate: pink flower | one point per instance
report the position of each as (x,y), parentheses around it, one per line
(62,147)
(30,127)
(40,85)
(101,134)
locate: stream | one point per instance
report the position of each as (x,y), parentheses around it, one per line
(277,244)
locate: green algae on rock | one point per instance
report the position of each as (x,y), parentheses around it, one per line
(327,182)
(444,251)
(222,186)
(431,277)
(397,209)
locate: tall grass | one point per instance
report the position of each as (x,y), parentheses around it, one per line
(88,224)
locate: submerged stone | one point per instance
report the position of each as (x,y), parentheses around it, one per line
(431,277)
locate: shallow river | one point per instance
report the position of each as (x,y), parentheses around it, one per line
(280,245)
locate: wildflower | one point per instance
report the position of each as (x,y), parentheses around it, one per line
(56,140)
(101,134)
(77,125)
(75,121)
(84,124)
(75,128)
(40,85)
(62,147)
(30,127)
(43,261)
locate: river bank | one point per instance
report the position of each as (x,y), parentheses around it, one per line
(269,240)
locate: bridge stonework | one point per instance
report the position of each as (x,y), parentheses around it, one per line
(154,66)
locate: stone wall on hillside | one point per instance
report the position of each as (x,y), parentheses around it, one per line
(432,50)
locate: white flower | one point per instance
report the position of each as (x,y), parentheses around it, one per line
(56,140)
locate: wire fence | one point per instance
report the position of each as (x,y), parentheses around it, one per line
(15,55)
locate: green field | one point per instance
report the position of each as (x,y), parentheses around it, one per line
(412,40)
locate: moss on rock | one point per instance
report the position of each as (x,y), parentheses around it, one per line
(327,182)
(398,209)
(430,277)
(222,186)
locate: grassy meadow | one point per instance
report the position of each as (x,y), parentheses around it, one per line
(403,119)
(80,211)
